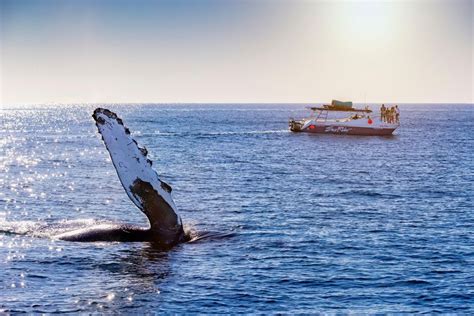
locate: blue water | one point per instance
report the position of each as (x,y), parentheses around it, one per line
(318,223)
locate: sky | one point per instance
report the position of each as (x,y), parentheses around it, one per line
(242,51)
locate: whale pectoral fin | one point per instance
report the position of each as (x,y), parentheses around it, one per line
(142,184)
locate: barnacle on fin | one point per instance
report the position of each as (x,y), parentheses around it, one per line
(100,120)
(166,186)
(109,113)
(143,150)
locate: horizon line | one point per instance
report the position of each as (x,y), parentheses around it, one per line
(219,103)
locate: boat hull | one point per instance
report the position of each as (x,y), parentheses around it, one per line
(359,127)
(354,122)
(348,130)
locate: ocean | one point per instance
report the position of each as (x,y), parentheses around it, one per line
(301,223)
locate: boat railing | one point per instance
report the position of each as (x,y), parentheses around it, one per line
(336,109)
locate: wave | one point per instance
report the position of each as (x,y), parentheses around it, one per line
(367,193)
(213,134)
(44,229)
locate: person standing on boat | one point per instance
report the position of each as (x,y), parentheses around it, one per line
(382,113)
(397,114)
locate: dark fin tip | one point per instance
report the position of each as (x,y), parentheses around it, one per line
(100,120)
(109,113)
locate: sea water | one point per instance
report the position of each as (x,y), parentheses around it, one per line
(310,223)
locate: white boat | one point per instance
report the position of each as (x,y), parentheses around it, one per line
(355,121)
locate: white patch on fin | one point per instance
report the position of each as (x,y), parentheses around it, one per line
(130,161)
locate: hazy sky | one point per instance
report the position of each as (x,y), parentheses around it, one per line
(65,51)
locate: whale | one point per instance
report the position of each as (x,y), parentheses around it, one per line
(141,182)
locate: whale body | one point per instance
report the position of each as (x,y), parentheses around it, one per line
(142,185)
